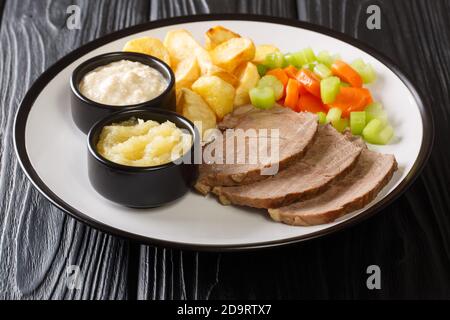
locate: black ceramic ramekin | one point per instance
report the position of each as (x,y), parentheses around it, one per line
(86,112)
(142,187)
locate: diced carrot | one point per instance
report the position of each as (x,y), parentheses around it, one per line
(309,103)
(291,71)
(279,74)
(351,99)
(367,94)
(310,81)
(291,94)
(301,89)
(346,73)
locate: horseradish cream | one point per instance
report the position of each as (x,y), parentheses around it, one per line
(122,83)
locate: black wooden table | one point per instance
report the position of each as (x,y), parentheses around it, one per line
(409,241)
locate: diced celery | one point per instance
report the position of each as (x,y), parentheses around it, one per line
(385,135)
(372,130)
(358,64)
(309,55)
(368,74)
(340,124)
(289,59)
(325,58)
(357,121)
(374,107)
(322,71)
(322,117)
(272,82)
(262,69)
(334,114)
(329,88)
(365,70)
(345,85)
(274,60)
(377,130)
(299,59)
(262,98)
(312,65)
(302,57)
(376,133)
(309,66)
(375,111)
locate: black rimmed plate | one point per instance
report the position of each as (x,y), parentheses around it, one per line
(52,151)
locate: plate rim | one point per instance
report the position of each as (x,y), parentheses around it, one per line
(39,84)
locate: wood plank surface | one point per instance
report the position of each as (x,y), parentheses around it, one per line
(37,241)
(409,240)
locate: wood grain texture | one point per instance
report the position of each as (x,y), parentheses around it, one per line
(37,241)
(164,9)
(409,240)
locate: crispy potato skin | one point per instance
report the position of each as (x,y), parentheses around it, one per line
(229,54)
(218,93)
(151,46)
(194,107)
(186,72)
(225,75)
(181,45)
(261,51)
(217,35)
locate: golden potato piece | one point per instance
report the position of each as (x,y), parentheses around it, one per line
(217,35)
(181,46)
(262,51)
(197,110)
(240,69)
(231,53)
(218,93)
(151,46)
(248,79)
(186,72)
(224,75)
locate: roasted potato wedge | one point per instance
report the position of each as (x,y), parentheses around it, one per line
(233,52)
(262,51)
(197,110)
(225,75)
(248,78)
(151,46)
(218,93)
(186,72)
(181,46)
(217,35)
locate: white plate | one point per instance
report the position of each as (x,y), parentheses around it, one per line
(52,151)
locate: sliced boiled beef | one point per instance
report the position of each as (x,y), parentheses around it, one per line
(330,155)
(353,191)
(296,133)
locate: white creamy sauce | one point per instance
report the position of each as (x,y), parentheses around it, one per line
(123,83)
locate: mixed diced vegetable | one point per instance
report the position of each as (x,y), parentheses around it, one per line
(325,85)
